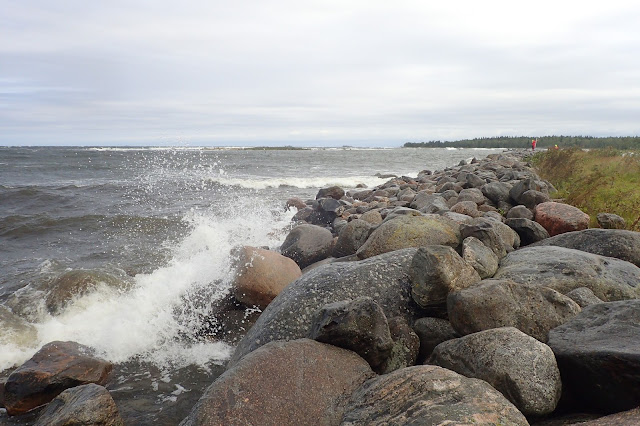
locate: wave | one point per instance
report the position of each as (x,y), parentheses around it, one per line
(155,319)
(302,183)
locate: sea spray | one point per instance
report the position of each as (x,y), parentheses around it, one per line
(159,317)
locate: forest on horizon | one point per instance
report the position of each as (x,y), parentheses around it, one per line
(617,142)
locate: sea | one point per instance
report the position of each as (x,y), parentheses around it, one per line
(154,228)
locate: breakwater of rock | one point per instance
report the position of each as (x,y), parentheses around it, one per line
(466,295)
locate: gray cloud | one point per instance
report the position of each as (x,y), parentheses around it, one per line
(316,72)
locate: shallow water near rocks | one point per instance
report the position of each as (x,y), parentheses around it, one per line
(163,223)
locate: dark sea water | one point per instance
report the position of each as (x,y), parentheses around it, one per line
(159,224)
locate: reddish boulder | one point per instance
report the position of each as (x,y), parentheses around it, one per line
(55,367)
(261,275)
(558,218)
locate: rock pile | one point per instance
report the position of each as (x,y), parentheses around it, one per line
(459,305)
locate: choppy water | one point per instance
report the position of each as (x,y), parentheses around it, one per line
(162,223)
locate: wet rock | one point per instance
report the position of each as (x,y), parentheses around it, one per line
(436,271)
(520,212)
(334,192)
(296,203)
(352,237)
(480,257)
(429,395)
(583,297)
(55,367)
(618,243)
(261,275)
(358,325)
(598,353)
(610,221)
(82,405)
(558,218)
(406,345)
(74,284)
(564,269)
(523,369)
(299,382)
(385,278)
(529,231)
(410,231)
(307,244)
(432,332)
(532,309)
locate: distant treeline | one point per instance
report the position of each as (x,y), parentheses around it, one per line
(621,142)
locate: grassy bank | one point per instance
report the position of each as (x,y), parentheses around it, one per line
(596,181)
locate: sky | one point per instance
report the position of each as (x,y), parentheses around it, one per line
(315,72)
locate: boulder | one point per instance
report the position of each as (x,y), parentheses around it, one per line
(471,194)
(436,271)
(529,231)
(384,278)
(523,369)
(629,418)
(429,395)
(307,244)
(428,203)
(82,405)
(410,231)
(508,235)
(520,212)
(532,198)
(598,353)
(334,192)
(295,202)
(299,382)
(532,309)
(352,237)
(480,257)
(564,269)
(55,367)
(372,216)
(432,332)
(358,325)
(616,243)
(583,297)
(523,186)
(558,218)
(261,275)
(496,191)
(610,221)
(74,284)
(486,234)
(406,345)
(466,207)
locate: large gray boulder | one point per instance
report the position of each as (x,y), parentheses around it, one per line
(532,309)
(384,278)
(294,383)
(432,332)
(480,257)
(82,405)
(352,237)
(598,353)
(429,203)
(616,243)
(307,244)
(436,271)
(410,231)
(564,269)
(583,297)
(528,230)
(358,325)
(429,395)
(496,191)
(519,366)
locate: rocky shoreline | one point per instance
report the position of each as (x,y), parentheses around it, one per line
(466,296)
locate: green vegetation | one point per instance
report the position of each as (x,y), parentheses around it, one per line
(596,181)
(622,142)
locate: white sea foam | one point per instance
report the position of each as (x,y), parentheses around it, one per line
(301,182)
(156,320)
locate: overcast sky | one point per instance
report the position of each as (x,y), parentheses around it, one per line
(307,72)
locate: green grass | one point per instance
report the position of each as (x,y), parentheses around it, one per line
(596,181)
